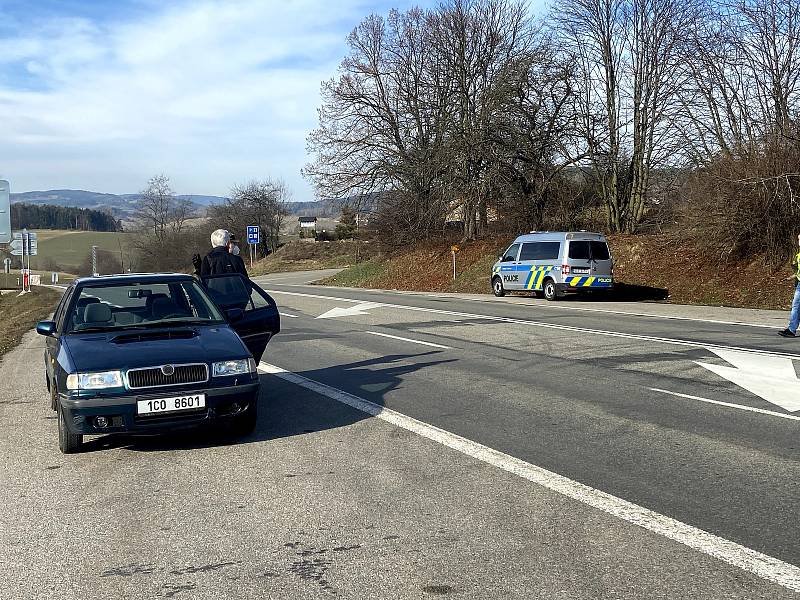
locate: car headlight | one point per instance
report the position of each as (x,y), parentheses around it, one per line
(94,381)
(234,367)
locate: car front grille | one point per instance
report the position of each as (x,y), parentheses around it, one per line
(153,377)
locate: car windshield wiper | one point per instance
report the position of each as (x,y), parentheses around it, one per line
(105,328)
(178,323)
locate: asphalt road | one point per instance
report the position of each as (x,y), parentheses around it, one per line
(502,448)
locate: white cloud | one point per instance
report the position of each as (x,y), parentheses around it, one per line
(212,94)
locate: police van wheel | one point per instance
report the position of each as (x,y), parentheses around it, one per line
(497,287)
(549,290)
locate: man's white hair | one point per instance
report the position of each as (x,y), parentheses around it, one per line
(220,237)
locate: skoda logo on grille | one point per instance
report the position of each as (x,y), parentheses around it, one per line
(168,370)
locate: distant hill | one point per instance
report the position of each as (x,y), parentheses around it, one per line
(122,206)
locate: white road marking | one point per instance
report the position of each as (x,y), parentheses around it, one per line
(359,309)
(772,378)
(762,411)
(582,330)
(550,305)
(762,565)
(283,314)
(402,339)
(542,304)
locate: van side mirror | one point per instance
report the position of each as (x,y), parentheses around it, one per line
(46,328)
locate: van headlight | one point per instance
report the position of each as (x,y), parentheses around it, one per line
(234,367)
(94,381)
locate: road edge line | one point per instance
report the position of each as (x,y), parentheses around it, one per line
(762,565)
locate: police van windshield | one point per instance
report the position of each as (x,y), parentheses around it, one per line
(588,250)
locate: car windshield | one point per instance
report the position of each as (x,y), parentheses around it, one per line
(141,305)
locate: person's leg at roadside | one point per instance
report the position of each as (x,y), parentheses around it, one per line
(794,317)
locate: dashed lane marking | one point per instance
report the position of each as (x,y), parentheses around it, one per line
(402,339)
(760,411)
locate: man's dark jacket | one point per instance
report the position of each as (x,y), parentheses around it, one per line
(220,261)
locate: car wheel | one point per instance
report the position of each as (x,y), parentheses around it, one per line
(245,424)
(497,287)
(68,443)
(549,290)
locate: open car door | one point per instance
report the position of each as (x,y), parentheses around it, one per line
(259,319)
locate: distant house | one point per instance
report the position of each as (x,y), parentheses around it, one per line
(307,222)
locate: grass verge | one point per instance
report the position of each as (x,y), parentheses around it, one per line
(310,255)
(18,314)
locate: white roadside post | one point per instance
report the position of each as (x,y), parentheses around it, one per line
(453,250)
(26,272)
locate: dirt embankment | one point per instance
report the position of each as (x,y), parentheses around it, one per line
(659,263)
(18,314)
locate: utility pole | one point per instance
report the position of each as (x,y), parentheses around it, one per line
(94,261)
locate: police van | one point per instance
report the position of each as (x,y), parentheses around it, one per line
(553,263)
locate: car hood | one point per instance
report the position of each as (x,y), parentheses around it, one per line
(152,347)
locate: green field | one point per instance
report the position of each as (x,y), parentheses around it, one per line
(68,249)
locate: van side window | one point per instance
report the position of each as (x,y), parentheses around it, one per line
(510,255)
(540,251)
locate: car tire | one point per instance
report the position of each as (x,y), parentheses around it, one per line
(68,443)
(549,290)
(497,287)
(245,424)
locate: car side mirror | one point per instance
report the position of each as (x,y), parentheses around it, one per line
(46,328)
(234,314)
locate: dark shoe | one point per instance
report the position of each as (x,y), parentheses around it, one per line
(786,333)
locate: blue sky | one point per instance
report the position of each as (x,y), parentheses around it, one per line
(101,95)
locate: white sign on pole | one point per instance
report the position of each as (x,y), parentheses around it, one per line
(35,279)
(19,248)
(5,212)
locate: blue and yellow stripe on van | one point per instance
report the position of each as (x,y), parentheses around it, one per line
(536,276)
(588,281)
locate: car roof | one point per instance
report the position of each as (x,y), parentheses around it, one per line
(558,235)
(133,278)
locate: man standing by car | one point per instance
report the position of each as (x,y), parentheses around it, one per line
(794,317)
(219,260)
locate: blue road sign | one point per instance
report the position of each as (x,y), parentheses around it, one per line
(253,234)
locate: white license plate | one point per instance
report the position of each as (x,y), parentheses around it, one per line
(167,405)
(580,271)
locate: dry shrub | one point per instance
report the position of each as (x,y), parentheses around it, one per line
(747,204)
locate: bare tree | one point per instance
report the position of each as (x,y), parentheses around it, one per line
(629,52)
(261,203)
(156,206)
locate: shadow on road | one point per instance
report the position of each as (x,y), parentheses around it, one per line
(623,292)
(287,410)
